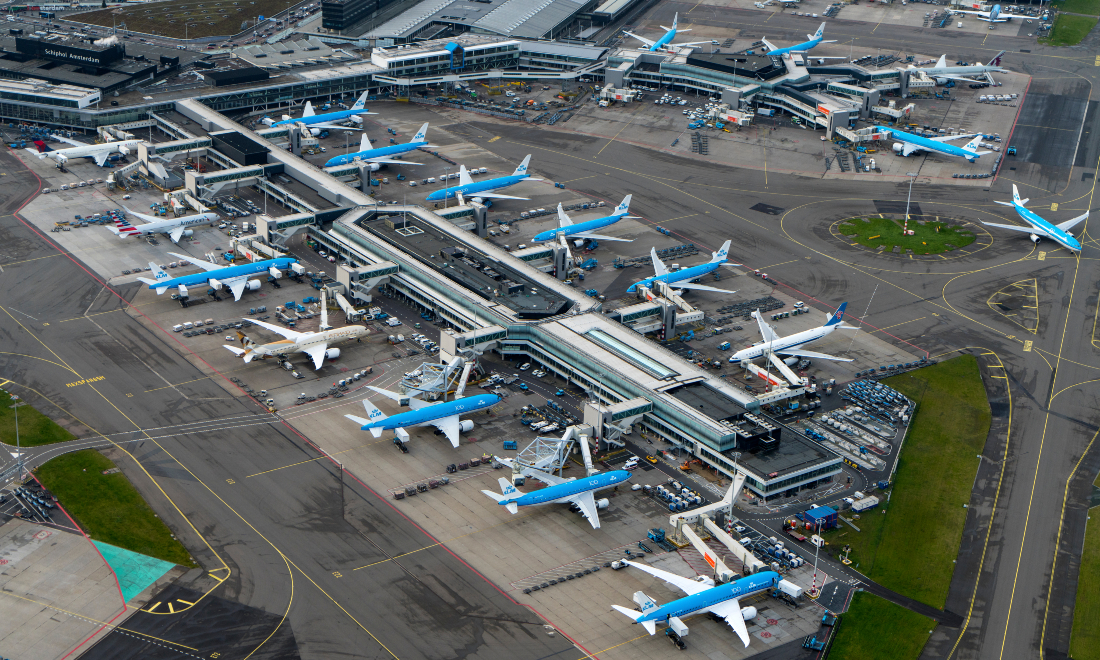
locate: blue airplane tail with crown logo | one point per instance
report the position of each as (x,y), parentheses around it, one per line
(838,316)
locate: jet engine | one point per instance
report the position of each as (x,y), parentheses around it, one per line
(941,81)
(314,132)
(188,233)
(749,613)
(899,148)
(465,426)
(332,353)
(374,167)
(124,150)
(1035,238)
(252,285)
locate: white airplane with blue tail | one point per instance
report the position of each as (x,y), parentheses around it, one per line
(702,596)
(1040,228)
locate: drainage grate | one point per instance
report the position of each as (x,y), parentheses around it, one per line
(766,208)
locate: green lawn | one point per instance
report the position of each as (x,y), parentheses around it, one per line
(1090,7)
(108,507)
(1084,641)
(876,629)
(929,238)
(1069,30)
(911,548)
(34,427)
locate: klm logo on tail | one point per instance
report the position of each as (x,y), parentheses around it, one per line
(522,169)
(375,413)
(510,490)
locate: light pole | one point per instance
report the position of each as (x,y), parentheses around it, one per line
(19,454)
(818,542)
(912,177)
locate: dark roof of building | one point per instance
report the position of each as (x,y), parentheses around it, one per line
(793,453)
(708,401)
(756,67)
(239,141)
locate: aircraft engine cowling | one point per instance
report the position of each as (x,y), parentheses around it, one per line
(188,233)
(602,504)
(252,285)
(941,81)
(899,148)
(466,425)
(749,613)
(314,132)
(332,353)
(374,167)
(124,150)
(477,200)
(578,242)
(1035,238)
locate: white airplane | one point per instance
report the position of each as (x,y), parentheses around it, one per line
(992,16)
(969,73)
(777,345)
(99,152)
(175,228)
(313,344)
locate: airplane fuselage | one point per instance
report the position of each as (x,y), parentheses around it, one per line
(328,117)
(797,48)
(682,275)
(326,337)
(570,489)
(229,272)
(431,413)
(472,189)
(705,599)
(381,152)
(91,150)
(797,339)
(1059,236)
(578,228)
(929,145)
(168,225)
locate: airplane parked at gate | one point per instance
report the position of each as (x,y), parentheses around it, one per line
(814,39)
(480,189)
(664,41)
(559,490)
(992,16)
(99,152)
(445,416)
(969,73)
(327,120)
(1041,228)
(175,228)
(376,157)
(313,344)
(583,230)
(773,343)
(909,143)
(681,279)
(234,277)
(702,596)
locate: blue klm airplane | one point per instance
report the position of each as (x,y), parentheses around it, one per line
(444,416)
(383,154)
(908,144)
(329,119)
(468,188)
(703,596)
(670,34)
(583,230)
(1039,227)
(814,39)
(559,491)
(234,277)
(681,279)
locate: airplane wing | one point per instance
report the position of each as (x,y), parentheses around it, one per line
(699,287)
(415,404)
(236,285)
(964,11)
(1027,230)
(205,265)
(449,427)
(730,610)
(963,78)
(766,332)
(810,354)
(648,42)
(1070,224)
(493,195)
(285,332)
(318,354)
(769,44)
(147,218)
(659,267)
(587,504)
(101,158)
(690,43)
(391,161)
(71,141)
(946,138)
(176,234)
(544,477)
(686,585)
(601,237)
(909,148)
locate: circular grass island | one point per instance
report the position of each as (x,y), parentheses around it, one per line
(886,235)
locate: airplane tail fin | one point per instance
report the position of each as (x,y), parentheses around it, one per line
(563,217)
(721,255)
(675,19)
(507,492)
(364,144)
(973,144)
(158,272)
(820,31)
(308,110)
(522,169)
(374,415)
(996,61)
(624,207)
(942,62)
(837,317)
(1016,196)
(360,103)
(650,626)
(421,135)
